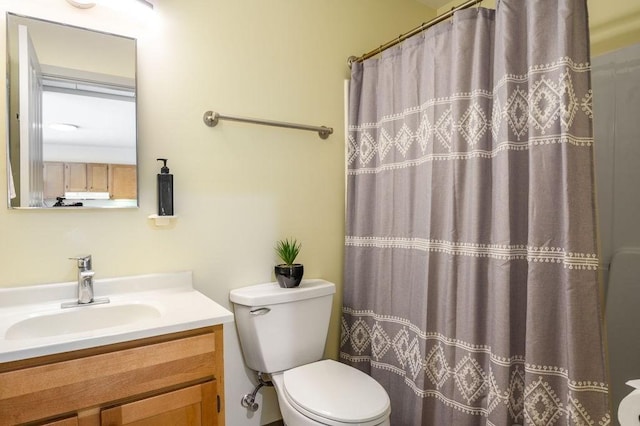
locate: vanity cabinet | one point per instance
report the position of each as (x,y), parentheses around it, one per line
(71,421)
(194,405)
(174,379)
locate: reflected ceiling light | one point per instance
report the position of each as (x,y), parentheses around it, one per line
(82,4)
(63,127)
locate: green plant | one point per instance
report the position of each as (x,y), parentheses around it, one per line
(288,250)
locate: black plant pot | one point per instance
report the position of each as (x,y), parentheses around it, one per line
(289,276)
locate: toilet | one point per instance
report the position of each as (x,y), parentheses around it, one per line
(283,333)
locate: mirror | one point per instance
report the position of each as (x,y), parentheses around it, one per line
(71,117)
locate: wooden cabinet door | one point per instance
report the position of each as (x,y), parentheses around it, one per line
(124,184)
(97,177)
(53,180)
(75,177)
(70,421)
(195,405)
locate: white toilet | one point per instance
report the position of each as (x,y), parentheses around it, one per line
(283,332)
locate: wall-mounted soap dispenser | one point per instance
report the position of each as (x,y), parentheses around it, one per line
(165,190)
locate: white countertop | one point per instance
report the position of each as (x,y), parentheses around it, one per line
(177,306)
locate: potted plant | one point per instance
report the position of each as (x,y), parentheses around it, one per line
(288,274)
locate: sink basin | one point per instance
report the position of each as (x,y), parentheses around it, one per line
(80,319)
(32,323)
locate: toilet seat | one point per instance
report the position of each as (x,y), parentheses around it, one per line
(336,394)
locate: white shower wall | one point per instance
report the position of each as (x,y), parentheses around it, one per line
(616,95)
(616,104)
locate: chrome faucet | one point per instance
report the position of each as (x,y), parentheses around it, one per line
(85,279)
(85,284)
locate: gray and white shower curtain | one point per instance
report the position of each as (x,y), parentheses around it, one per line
(471,284)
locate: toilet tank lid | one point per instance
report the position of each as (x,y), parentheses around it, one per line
(272,293)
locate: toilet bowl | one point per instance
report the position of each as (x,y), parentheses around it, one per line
(283,332)
(330,393)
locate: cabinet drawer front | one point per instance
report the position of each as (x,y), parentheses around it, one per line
(39,392)
(71,421)
(189,406)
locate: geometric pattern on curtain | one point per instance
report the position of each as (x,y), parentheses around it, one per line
(471,286)
(544,99)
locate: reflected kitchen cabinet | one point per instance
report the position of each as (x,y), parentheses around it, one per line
(53,180)
(75,177)
(112,181)
(98,177)
(124,184)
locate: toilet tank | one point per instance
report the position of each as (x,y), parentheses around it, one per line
(282,328)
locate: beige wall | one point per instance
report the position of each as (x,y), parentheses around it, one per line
(238,188)
(613,24)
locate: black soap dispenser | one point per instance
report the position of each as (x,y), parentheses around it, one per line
(165,190)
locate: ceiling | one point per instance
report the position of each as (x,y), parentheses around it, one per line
(101,121)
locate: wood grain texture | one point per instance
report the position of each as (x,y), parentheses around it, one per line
(219,355)
(184,407)
(71,421)
(97,379)
(123,182)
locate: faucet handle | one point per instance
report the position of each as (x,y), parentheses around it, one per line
(84,262)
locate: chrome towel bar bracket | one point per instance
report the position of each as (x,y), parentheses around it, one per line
(211,119)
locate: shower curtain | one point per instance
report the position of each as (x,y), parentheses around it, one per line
(470,289)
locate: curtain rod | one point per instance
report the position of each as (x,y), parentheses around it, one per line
(211,118)
(417,30)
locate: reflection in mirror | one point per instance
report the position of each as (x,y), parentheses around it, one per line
(72,116)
